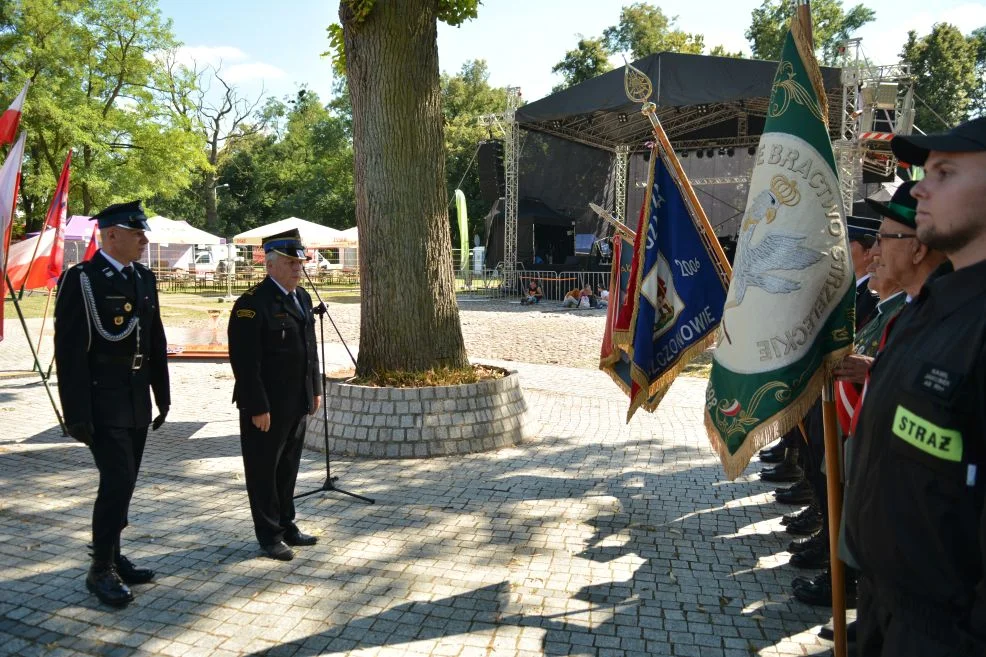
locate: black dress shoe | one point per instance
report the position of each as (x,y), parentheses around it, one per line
(782,472)
(802,544)
(816,556)
(773,454)
(818,591)
(130,573)
(806,525)
(810,510)
(828,631)
(104,582)
(796,494)
(802,485)
(300,538)
(279,551)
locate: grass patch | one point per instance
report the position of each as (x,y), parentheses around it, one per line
(442,376)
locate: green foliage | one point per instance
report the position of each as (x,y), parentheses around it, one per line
(644,30)
(720,51)
(944,66)
(301,166)
(589,59)
(466,97)
(451,12)
(978,104)
(831,26)
(99,89)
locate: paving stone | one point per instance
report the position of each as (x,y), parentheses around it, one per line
(562,545)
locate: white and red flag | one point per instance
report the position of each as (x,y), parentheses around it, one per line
(10,177)
(56,220)
(93,246)
(10,119)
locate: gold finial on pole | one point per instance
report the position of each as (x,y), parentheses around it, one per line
(638,88)
(636,83)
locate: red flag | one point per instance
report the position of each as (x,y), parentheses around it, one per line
(10,119)
(10,178)
(92,248)
(57,213)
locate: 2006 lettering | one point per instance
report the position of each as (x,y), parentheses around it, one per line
(688,267)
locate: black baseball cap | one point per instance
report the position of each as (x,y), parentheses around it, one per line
(968,137)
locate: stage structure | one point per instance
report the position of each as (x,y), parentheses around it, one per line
(878,102)
(713,110)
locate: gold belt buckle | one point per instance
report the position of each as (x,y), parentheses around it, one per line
(138,361)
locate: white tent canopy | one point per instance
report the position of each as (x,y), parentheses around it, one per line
(169,231)
(313,236)
(349,235)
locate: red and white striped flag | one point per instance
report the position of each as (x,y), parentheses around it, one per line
(93,246)
(57,214)
(10,177)
(10,119)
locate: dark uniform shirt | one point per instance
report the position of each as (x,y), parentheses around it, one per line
(914,508)
(104,380)
(272,352)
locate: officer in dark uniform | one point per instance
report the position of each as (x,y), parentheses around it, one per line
(273,354)
(915,504)
(110,352)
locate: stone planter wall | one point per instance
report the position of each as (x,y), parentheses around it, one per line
(420,422)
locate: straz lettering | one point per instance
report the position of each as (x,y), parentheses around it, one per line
(928,437)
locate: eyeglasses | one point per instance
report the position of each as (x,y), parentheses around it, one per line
(893,236)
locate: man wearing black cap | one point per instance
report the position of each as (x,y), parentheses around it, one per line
(915,504)
(110,352)
(273,355)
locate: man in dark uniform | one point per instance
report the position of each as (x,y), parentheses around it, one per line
(110,352)
(273,354)
(914,511)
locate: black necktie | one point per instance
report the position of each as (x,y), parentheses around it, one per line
(128,272)
(297,304)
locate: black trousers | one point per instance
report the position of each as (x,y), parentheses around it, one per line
(117,452)
(892,626)
(270,463)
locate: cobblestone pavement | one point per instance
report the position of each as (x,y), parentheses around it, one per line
(595,538)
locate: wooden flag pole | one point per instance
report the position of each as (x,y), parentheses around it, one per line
(699,211)
(34,255)
(833,452)
(638,88)
(34,354)
(44,318)
(833,480)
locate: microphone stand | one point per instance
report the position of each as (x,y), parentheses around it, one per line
(329,486)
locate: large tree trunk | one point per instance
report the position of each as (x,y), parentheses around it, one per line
(410,319)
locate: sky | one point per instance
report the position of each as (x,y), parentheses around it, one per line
(274,48)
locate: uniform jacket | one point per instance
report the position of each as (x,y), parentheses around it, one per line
(865,304)
(272,351)
(914,511)
(97,382)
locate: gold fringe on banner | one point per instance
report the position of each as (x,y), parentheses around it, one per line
(775,426)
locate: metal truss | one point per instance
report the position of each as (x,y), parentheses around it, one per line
(511,167)
(507,124)
(620,182)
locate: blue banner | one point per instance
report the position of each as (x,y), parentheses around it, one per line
(680,289)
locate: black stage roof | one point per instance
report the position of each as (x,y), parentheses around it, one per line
(702,101)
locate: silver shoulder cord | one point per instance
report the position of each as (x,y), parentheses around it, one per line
(94,319)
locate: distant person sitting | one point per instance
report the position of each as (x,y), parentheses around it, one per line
(572,298)
(586,298)
(532,295)
(602,296)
